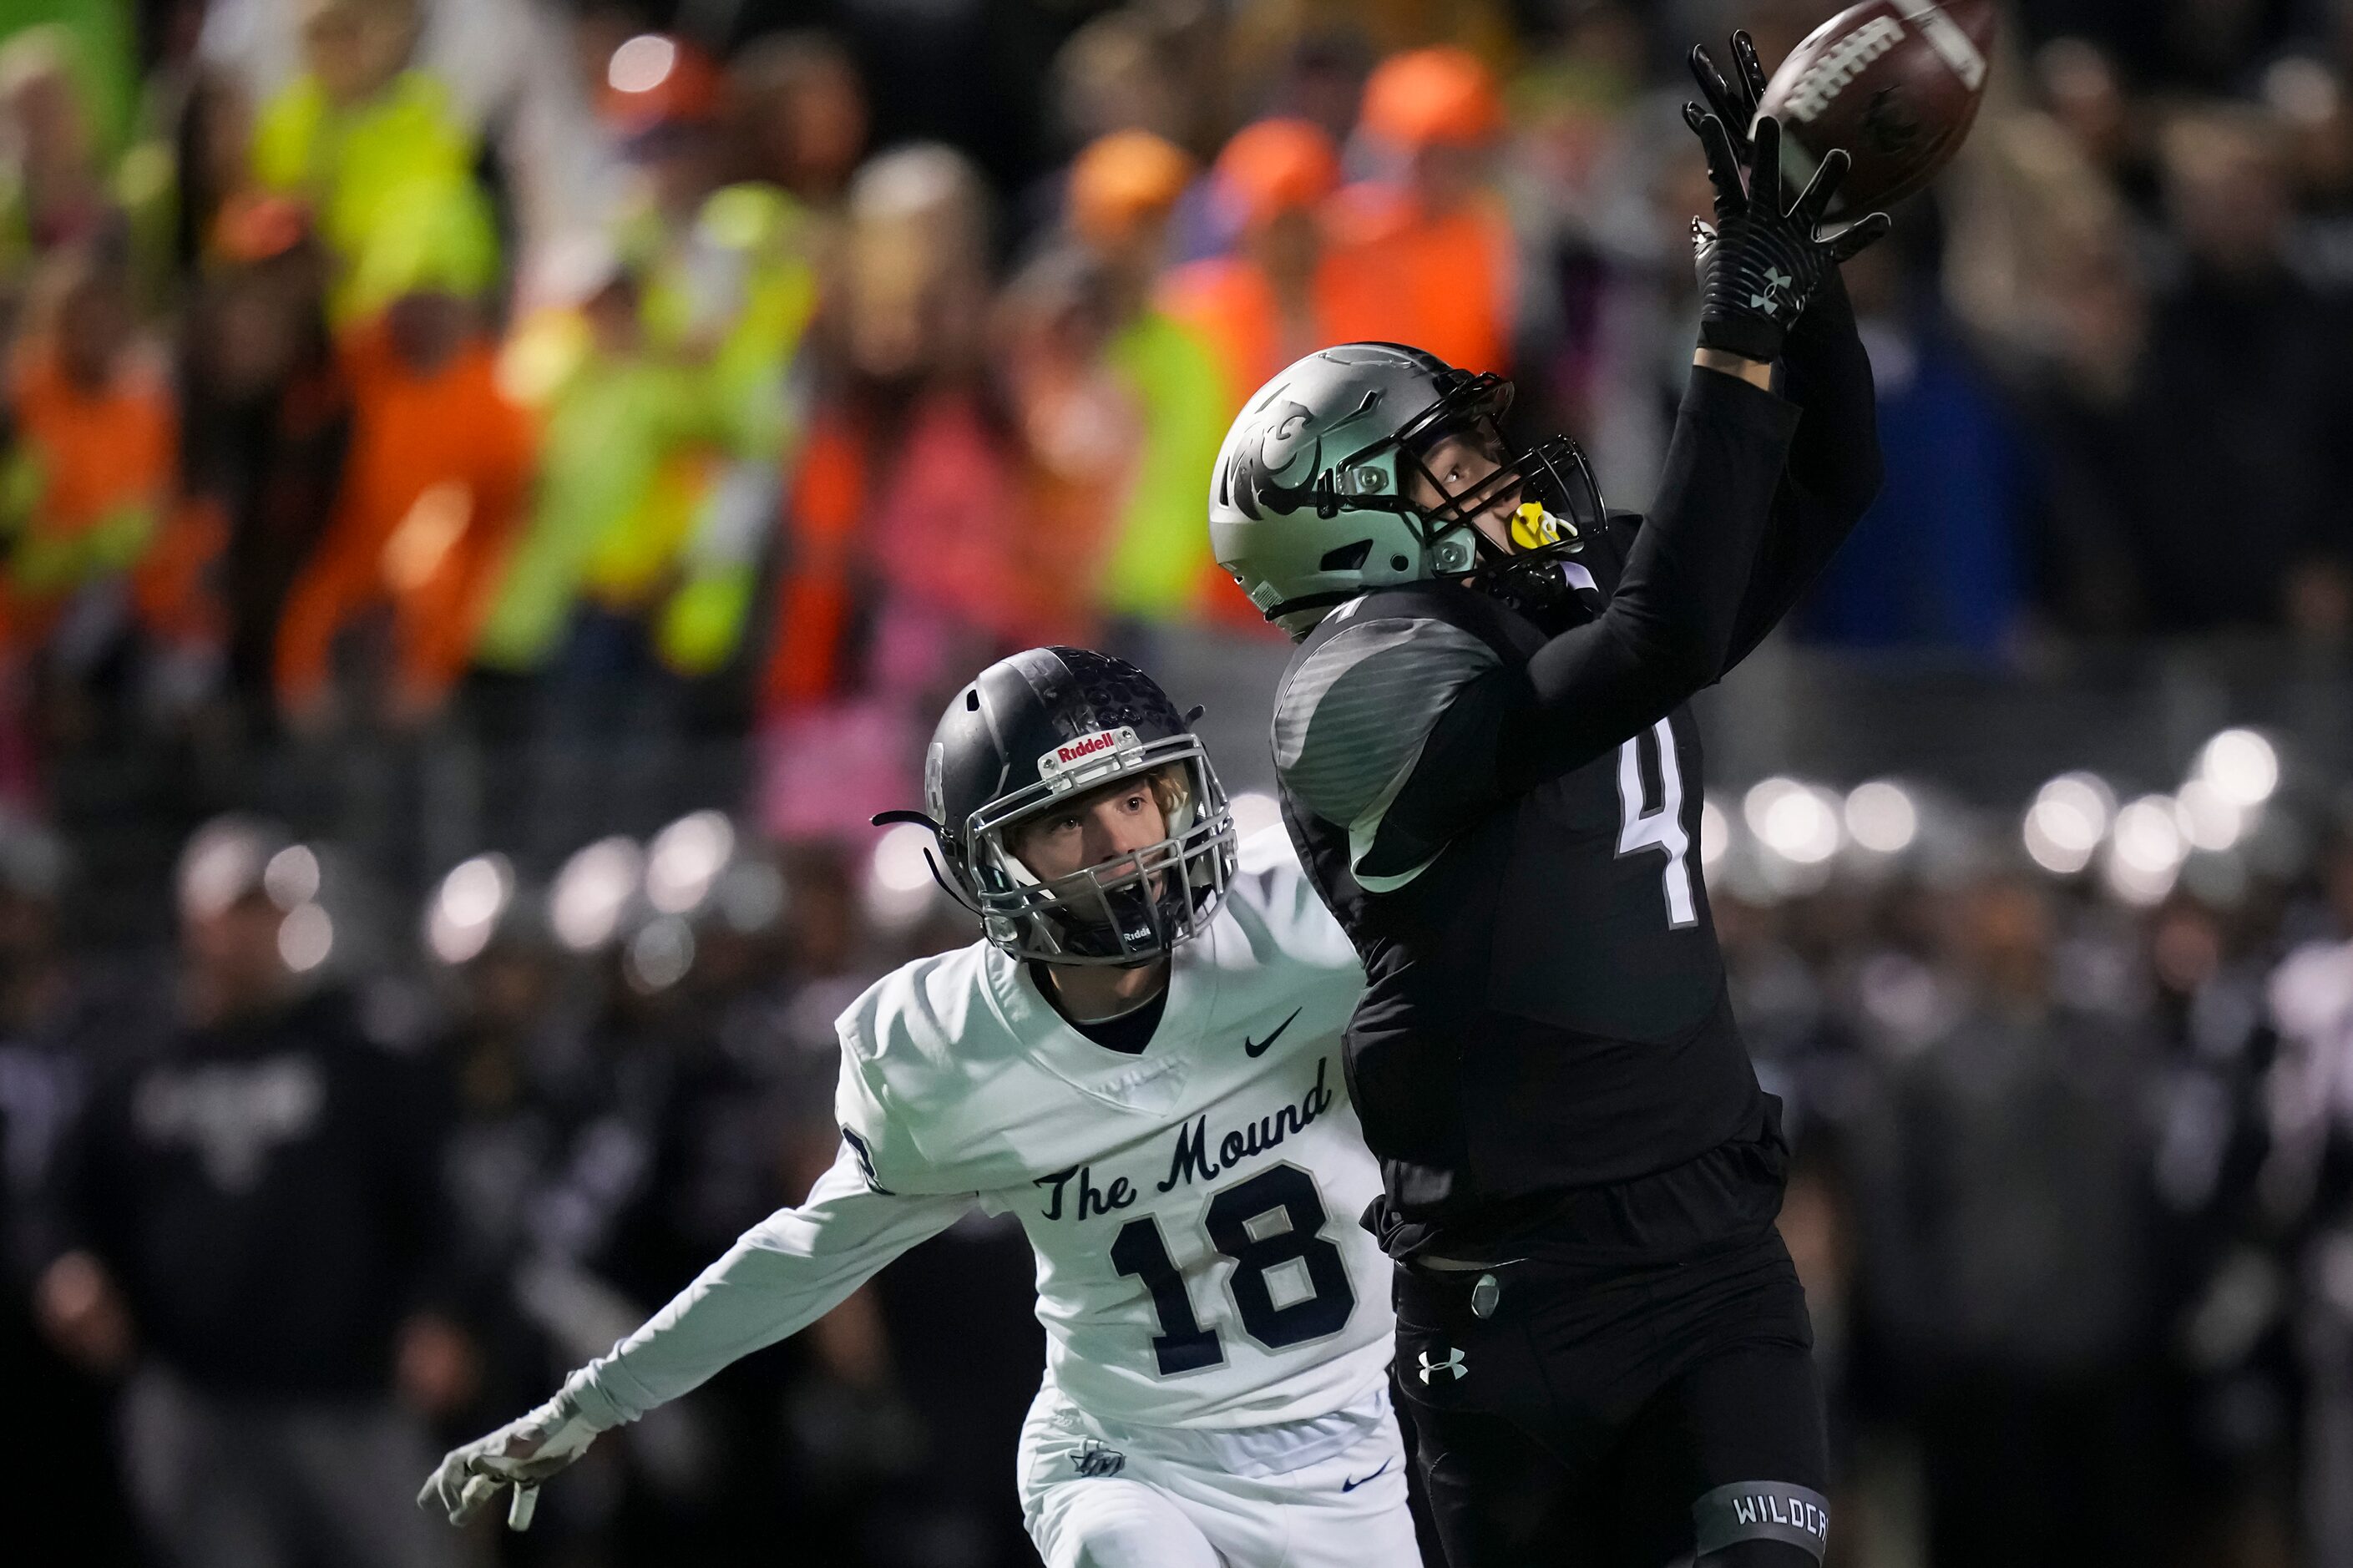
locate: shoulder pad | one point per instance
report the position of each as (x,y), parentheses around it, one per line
(918,1015)
(1278,909)
(1352,716)
(911,1046)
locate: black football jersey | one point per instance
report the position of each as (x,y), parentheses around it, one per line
(1545,1006)
(1498,794)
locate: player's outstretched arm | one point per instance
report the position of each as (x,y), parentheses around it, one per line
(782,1275)
(1671,626)
(1834,465)
(1345,739)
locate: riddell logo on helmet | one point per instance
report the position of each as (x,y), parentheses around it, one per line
(1082,749)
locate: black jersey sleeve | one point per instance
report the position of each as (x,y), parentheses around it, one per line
(1404,730)
(1667,627)
(1834,470)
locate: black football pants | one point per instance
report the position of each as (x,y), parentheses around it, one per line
(1628,1419)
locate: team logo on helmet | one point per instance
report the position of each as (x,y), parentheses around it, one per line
(1253,479)
(935,789)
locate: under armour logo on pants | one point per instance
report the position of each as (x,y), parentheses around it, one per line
(1452,1367)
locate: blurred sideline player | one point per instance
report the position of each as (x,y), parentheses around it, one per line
(1489,767)
(1141,1060)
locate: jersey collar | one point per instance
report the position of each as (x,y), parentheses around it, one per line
(1151,1084)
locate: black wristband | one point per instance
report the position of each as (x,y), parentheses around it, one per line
(1750,337)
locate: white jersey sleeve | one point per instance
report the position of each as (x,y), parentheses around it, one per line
(781,1276)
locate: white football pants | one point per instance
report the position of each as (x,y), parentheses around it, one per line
(1098,1496)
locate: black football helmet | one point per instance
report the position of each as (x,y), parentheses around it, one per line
(1031,731)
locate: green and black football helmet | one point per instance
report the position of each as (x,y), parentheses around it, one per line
(1029,733)
(1313,501)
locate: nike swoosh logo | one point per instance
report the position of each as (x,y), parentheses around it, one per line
(1352,1486)
(1258,1047)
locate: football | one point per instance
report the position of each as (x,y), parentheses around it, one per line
(1895,82)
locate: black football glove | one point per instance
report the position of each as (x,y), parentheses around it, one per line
(1735,105)
(1762,261)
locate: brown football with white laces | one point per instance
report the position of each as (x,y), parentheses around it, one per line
(1897,83)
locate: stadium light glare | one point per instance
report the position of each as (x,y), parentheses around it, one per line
(659,955)
(2141,885)
(2242,765)
(2148,836)
(752,896)
(1254,811)
(595,886)
(1796,821)
(899,878)
(291,876)
(2069,817)
(641,64)
(1881,816)
(466,907)
(2208,818)
(1758,804)
(685,858)
(1714,834)
(305,937)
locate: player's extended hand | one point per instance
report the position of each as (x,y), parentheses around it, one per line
(520,1455)
(1763,260)
(1734,103)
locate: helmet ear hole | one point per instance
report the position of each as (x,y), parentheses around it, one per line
(1346,557)
(1399,563)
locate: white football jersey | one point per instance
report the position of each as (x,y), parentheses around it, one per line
(1194,1209)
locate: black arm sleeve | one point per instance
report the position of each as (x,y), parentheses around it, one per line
(1665,634)
(1834,468)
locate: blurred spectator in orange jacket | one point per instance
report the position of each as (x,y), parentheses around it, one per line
(1274,298)
(1425,250)
(440,464)
(91,474)
(1264,305)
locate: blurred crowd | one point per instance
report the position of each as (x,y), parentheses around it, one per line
(537,375)
(451,432)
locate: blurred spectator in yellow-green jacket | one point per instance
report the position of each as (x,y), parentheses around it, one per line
(729,283)
(376,146)
(1123,188)
(618,419)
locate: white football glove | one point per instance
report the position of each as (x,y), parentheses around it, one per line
(520,1454)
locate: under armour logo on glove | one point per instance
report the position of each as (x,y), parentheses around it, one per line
(1765,257)
(1774,298)
(1451,1366)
